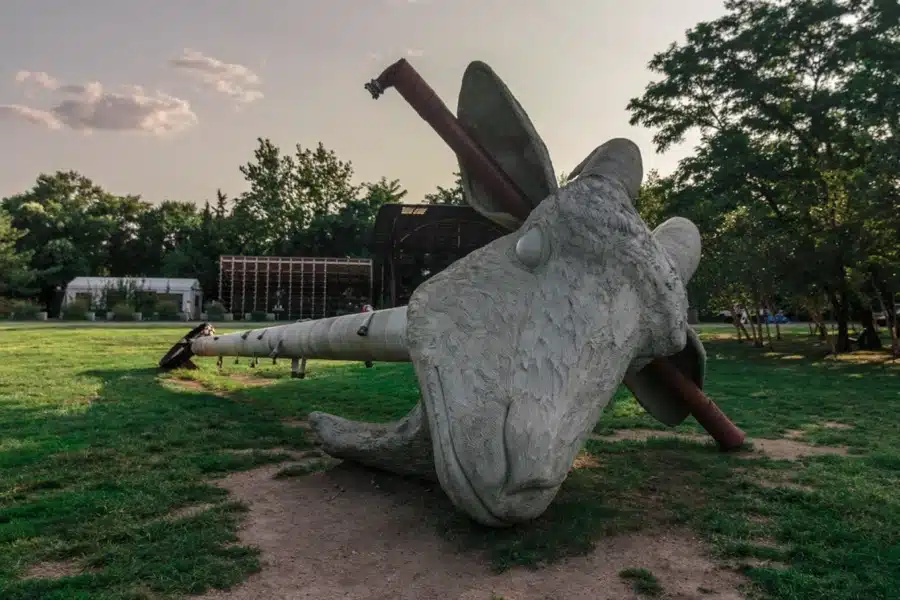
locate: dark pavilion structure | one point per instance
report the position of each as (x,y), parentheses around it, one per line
(411,242)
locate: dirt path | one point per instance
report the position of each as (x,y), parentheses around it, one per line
(789,447)
(350,534)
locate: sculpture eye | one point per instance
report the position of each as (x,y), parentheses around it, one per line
(530,248)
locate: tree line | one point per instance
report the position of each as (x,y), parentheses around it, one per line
(303,203)
(794,183)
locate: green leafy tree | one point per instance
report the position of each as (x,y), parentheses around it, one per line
(16,274)
(74,228)
(292,200)
(796,104)
(452,195)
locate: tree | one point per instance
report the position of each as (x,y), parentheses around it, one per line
(15,271)
(289,197)
(305,203)
(74,228)
(347,233)
(166,231)
(796,104)
(267,214)
(452,195)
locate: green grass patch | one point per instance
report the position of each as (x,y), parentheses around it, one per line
(97,448)
(643,582)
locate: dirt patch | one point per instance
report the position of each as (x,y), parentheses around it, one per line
(250,381)
(53,570)
(792,449)
(586,460)
(759,519)
(186,512)
(192,385)
(298,423)
(760,563)
(293,454)
(797,434)
(774,484)
(642,435)
(768,543)
(789,448)
(836,425)
(355,534)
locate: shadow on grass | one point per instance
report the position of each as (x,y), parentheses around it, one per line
(91,484)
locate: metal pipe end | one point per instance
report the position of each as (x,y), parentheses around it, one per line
(374,88)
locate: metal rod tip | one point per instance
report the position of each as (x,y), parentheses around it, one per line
(374,88)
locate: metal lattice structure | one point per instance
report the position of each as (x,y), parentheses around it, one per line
(411,242)
(294,287)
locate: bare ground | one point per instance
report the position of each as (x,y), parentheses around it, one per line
(53,570)
(793,449)
(353,534)
(250,381)
(192,385)
(788,448)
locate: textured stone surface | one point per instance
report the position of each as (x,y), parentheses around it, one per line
(403,447)
(519,346)
(517,360)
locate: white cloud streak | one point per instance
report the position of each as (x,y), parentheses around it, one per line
(231,79)
(409,53)
(35,116)
(92,107)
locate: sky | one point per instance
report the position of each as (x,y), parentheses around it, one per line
(166,99)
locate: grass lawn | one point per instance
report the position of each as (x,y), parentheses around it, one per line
(98,452)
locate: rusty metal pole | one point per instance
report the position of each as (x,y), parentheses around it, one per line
(425,101)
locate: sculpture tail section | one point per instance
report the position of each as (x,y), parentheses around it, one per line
(373,336)
(403,447)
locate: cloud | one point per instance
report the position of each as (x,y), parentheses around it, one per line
(92,107)
(409,52)
(35,116)
(233,80)
(32,81)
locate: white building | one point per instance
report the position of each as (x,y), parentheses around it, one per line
(186,292)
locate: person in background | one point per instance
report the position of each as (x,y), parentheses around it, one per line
(368,308)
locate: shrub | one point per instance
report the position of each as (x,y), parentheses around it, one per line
(123,312)
(25,309)
(215,311)
(146,302)
(5,307)
(258,315)
(76,310)
(168,310)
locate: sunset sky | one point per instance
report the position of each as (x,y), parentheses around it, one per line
(166,99)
